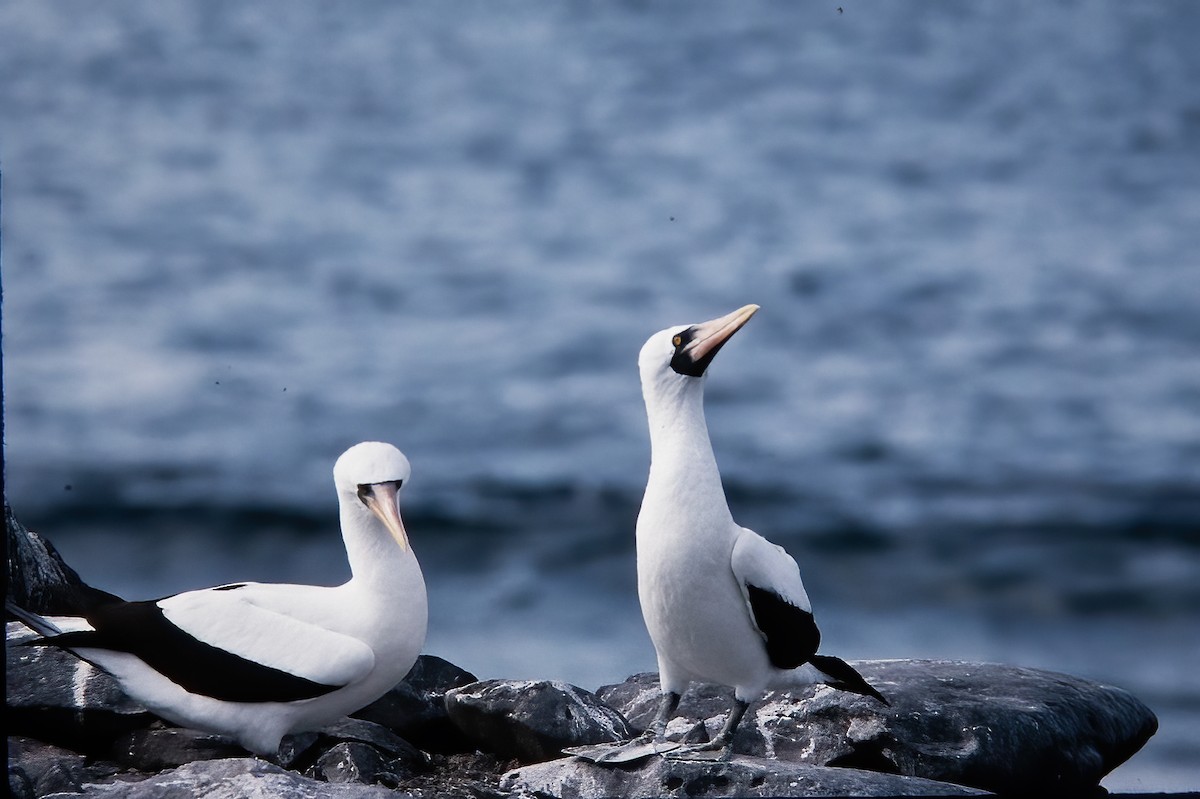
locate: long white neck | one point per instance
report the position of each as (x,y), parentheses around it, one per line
(376,560)
(683,469)
(387,591)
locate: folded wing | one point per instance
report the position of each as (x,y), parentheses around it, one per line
(222,644)
(775,599)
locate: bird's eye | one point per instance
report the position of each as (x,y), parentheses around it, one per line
(677,340)
(364,491)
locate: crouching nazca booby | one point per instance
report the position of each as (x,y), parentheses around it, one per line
(722,604)
(256,661)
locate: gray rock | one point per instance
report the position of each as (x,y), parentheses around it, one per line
(237,778)
(161,747)
(54,696)
(375,735)
(353,749)
(45,768)
(38,578)
(416,708)
(19,785)
(353,761)
(60,778)
(698,734)
(297,751)
(1001,728)
(740,776)
(530,720)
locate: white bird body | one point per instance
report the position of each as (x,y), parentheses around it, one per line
(257,661)
(721,603)
(694,559)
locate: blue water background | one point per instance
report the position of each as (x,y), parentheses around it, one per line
(239,237)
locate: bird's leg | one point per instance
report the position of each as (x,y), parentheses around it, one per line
(666,707)
(724,739)
(723,743)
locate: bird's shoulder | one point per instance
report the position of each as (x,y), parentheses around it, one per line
(284,598)
(768,567)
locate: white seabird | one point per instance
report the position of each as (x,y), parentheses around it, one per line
(722,604)
(256,661)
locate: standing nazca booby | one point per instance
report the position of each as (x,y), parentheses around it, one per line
(721,603)
(257,661)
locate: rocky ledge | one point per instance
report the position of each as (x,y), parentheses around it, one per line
(1001,728)
(739,776)
(952,729)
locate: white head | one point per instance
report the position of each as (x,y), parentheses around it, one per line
(371,474)
(675,359)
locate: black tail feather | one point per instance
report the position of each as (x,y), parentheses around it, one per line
(31,620)
(843,677)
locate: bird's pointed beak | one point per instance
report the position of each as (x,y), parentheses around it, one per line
(705,339)
(711,335)
(383,503)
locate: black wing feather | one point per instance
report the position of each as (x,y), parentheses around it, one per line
(141,629)
(791,633)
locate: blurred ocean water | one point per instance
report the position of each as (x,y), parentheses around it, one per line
(238,238)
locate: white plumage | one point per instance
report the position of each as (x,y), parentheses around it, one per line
(721,603)
(756,561)
(257,661)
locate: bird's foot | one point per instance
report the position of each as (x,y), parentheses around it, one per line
(638,748)
(655,740)
(714,751)
(662,746)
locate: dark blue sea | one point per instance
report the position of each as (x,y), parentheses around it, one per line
(239,237)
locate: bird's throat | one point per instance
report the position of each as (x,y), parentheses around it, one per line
(374,555)
(683,468)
